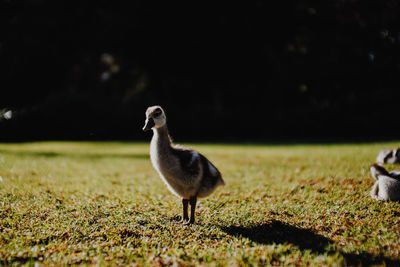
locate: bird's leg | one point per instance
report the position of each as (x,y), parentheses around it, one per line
(185,203)
(192,202)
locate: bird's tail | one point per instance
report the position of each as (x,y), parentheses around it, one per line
(220,181)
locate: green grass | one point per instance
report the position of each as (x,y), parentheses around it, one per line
(102,203)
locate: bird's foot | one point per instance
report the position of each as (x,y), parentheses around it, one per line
(184,220)
(190,222)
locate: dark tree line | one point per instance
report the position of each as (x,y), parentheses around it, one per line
(256,70)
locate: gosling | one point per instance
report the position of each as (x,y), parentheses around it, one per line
(387,185)
(388,156)
(187,173)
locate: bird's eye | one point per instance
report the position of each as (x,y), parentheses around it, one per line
(157,112)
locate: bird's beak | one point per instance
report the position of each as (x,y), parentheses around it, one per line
(149,124)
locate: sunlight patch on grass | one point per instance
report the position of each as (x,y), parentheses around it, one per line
(102,202)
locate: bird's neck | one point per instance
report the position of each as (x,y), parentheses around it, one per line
(161,138)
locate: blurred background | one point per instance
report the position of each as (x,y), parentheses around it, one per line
(223,71)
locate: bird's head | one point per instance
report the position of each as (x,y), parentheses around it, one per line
(377,170)
(155,118)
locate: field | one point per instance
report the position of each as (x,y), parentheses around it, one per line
(102,203)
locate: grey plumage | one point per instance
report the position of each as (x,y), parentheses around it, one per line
(387,185)
(187,173)
(388,156)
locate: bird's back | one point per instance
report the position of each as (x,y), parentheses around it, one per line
(211,177)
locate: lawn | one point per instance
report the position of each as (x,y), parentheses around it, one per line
(103,203)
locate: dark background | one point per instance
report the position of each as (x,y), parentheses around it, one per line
(223,71)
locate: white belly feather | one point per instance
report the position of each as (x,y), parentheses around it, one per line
(169,169)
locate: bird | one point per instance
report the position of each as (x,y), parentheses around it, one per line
(388,156)
(387,185)
(187,173)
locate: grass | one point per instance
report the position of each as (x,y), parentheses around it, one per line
(102,203)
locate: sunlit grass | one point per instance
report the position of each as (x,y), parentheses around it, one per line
(77,202)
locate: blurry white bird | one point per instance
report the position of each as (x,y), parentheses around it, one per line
(387,185)
(388,156)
